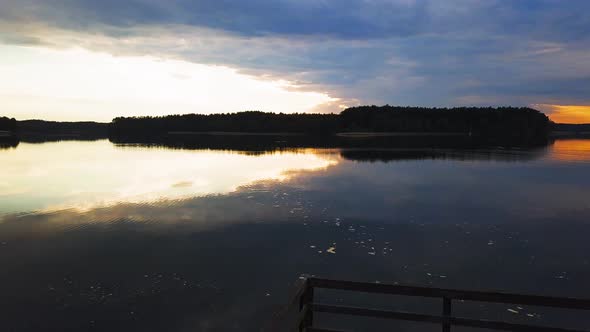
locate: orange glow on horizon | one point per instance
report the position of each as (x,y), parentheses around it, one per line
(573,114)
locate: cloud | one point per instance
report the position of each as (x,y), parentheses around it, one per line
(367,51)
(343,18)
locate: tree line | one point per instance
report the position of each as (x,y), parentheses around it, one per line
(53,129)
(501,122)
(8,124)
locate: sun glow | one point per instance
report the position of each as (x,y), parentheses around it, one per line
(77,84)
(566,113)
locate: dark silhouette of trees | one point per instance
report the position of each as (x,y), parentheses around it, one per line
(41,131)
(517,125)
(8,137)
(54,129)
(493,122)
(8,124)
(510,122)
(249,122)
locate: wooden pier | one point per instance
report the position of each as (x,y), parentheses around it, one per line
(306,307)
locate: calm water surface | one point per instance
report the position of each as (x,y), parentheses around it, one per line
(102,237)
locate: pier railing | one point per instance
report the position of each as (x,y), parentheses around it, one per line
(307,306)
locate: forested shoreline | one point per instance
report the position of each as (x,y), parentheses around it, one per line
(503,122)
(41,130)
(523,124)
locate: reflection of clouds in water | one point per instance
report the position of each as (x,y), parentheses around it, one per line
(89,174)
(264,202)
(167,178)
(431,222)
(441,190)
(442,223)
(409,191)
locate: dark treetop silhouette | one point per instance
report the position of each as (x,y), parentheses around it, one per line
(502,122)
(523,125)
(39,129)
(7,124)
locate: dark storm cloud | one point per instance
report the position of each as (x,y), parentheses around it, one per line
(342,18)
(359,19)
(378,51)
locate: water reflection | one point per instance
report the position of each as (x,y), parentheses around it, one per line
(442,217)
(273,142)
(8,142)
(87,174)
(489,154)
(571,150)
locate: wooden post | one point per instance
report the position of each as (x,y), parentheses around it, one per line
(446,327)
(305,304)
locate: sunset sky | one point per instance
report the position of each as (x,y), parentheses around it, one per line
(94,60)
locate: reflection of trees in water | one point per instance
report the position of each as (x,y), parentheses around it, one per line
(444,154)
(272,142)
(13,142)
(8,142)
(370,149)
(386,148)
(58,138)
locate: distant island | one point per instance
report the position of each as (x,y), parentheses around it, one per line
(503,123)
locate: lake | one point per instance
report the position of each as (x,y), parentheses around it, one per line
(97,236)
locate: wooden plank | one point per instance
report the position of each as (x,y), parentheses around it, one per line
(496,297)
(353,311)
(410,316)
(495,325)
